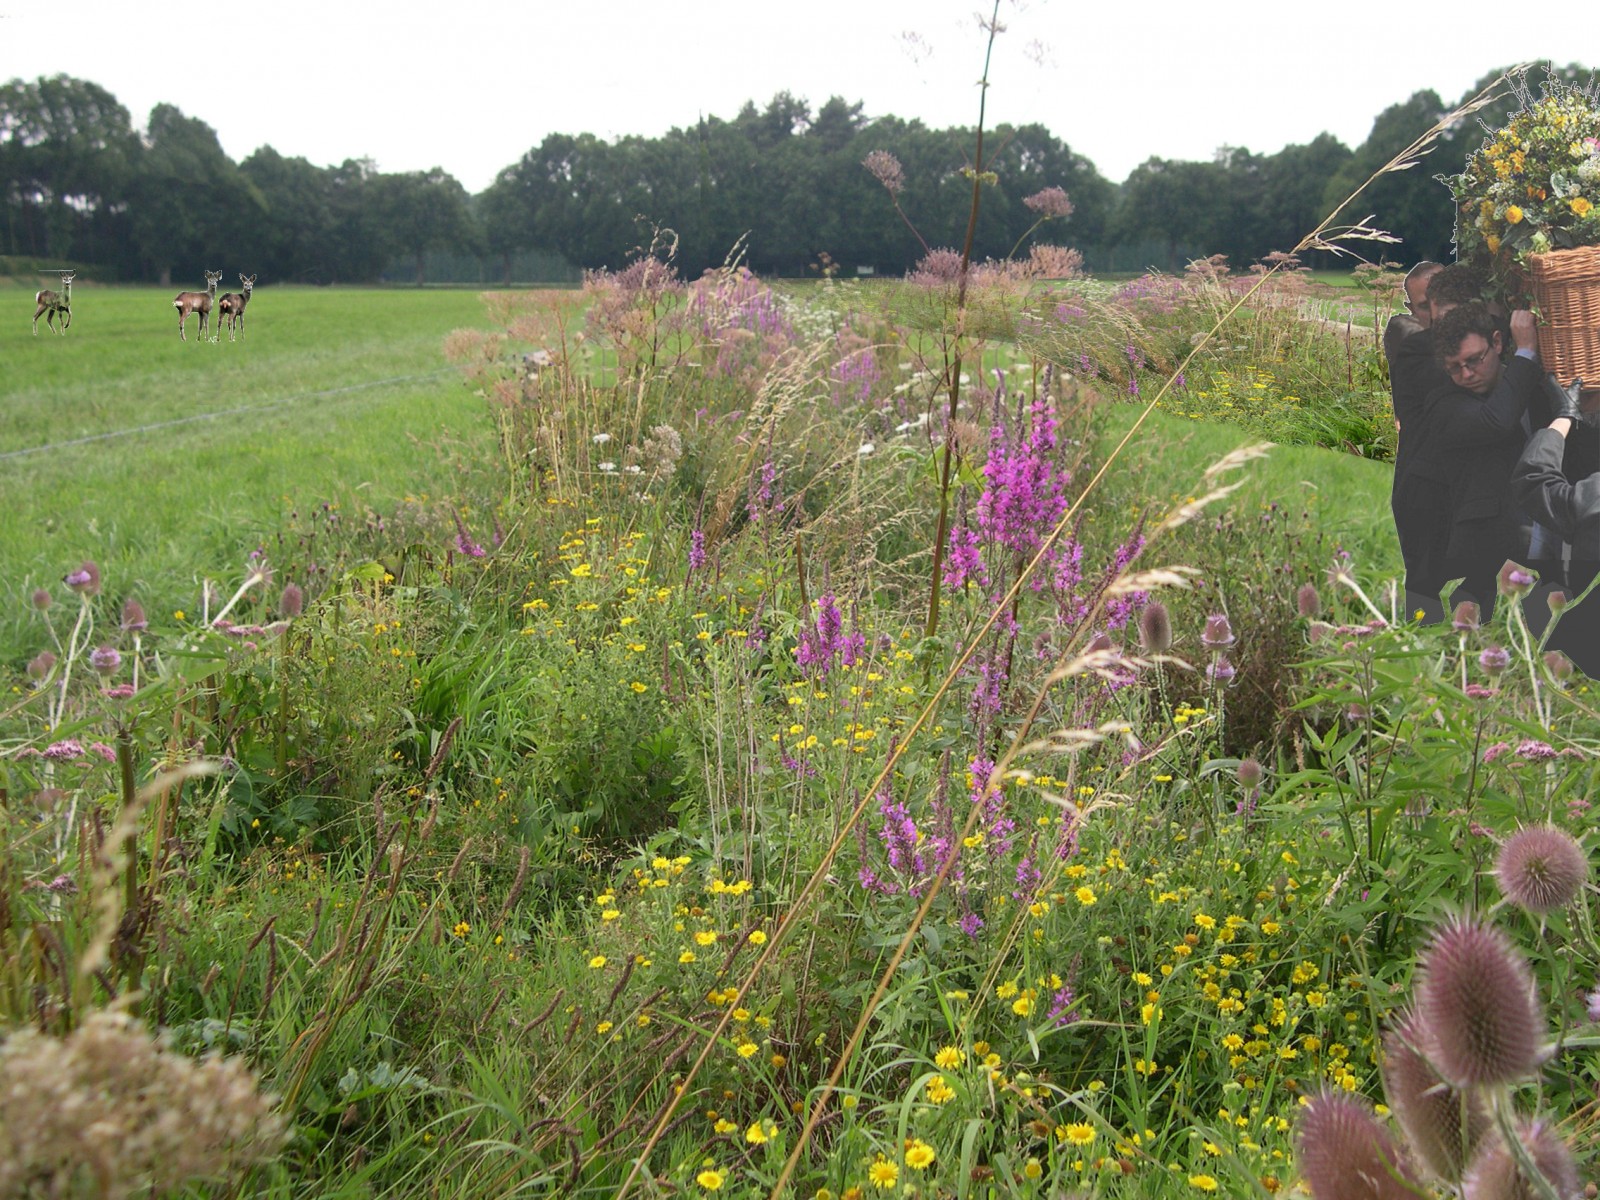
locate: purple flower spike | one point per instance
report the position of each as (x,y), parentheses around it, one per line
(105,659)
(697,549)
(1218,633)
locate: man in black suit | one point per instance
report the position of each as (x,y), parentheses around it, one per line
(1469,436)
(1413,373)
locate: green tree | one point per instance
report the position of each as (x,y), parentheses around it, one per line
(421,211)
(1411,204)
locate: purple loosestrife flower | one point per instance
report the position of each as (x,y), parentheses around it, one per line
(1594,1005)
(105,659)
(697,550)
(971,924)
(1023,496)
(85,580)
(1476,1005)
(1541,869)
(464,543)
(1061,1012)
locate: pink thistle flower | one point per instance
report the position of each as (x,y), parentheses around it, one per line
(292,602)
(1218,633)
(1477,1006)
(1221,671)
(1306,600)
(1514,580)
(1541,868)
(1494,660)
(1346,1155)
(85,580)
(105,659)
(1249,772)
(1444,1126)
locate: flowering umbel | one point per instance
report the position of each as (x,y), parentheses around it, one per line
(1477,1007)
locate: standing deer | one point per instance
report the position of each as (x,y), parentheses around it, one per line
(200,302)
(50,303)
(231,306)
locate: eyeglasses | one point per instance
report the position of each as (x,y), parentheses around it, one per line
(1467,366)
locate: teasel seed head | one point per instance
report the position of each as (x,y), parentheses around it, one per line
(1541,868)
(1495,1175)
(1444,1125)
(1477,1007)
(1155,628)
(1346,1155)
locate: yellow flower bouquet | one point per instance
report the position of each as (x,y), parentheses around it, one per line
(1533,186)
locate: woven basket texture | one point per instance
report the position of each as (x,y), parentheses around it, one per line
(1566,286)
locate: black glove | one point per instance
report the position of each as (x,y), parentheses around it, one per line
(1564,400)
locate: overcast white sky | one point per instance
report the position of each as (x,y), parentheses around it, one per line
(470,87)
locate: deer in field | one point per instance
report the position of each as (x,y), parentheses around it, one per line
(50,303)
(231,306)
(200,302)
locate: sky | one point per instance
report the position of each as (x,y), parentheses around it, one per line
(471,87)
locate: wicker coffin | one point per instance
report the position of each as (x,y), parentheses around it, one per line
(1566,286)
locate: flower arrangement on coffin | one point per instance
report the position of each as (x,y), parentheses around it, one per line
(1534,185)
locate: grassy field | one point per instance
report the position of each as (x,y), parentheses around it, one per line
(166,459)
(163,458)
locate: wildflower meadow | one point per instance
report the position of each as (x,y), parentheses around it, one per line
(834,741)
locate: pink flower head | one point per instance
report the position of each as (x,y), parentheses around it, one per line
(1541,869)
(1443,1125)
(85,580)
(1514,580)
(292,602)
(886,169)
(1557,663)
(1494,660)
(1218,633)
(105,659)
(1496,1172)
(133,619)
(41,599)
(1466,617)
(1051,202)
(1221,671)
(1341,1144)
(1306,600)
(41,665)
(1477,1006)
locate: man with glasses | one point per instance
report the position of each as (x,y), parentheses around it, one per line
(1469,437)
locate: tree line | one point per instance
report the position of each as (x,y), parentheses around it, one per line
(79,183)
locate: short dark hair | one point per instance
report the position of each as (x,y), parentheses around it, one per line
(1426,269)
(1460,323)
(1457,284)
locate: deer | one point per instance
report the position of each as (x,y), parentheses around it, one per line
(231,306)
(50,303)
(200,302)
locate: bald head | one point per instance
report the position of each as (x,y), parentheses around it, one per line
(1417,280)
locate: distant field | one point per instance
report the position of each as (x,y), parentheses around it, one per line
(319,402)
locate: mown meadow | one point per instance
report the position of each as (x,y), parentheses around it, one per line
(727,739)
